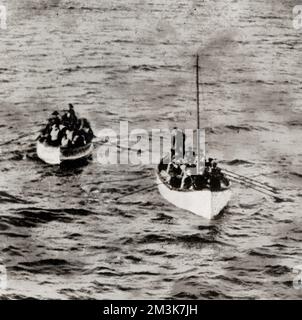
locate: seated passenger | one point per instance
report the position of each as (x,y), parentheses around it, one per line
(215,178)
(61,133)
(166,177)
(66,141)
(225,180)
(162,166)
(84,126)
(174,169)
(186,182)
(44,134)
(69,118)
(89,134)
(55,118)
(209,163)
(78,140)
(215,183)
(206,173)
(53,138)
(72,112)
(200,182)
(83,123)
(175,182)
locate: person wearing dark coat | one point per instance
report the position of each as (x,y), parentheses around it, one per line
(72,112)
(209,163)
(55,117)
(78,139)
(69,118)
(200,182)
(175,182)
(83,126)
(162,166)
(174,169)
(215,178)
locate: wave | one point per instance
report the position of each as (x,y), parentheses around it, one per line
(297,174)
(223,129)
(261,254)
(196,239)
(237,162)
(204,294)
(185,295)
(209,227)
(121,41)
(233,280)
(238,128)
(144,67)
(162,217)
(8,198)
(94,9)
(133,258)
(277,270)
(33,217)
(3,226)
(188,240)
(78,68)
(151,252)
(49,266)
(152,238)
(276,245)
(294,123)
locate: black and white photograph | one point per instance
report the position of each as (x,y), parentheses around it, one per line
(150,150)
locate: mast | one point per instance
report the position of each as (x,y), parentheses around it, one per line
(198,120)
(197,90)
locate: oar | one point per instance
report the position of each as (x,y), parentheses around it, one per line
(20,137)
(246,183)
(252,181)
(15,139)
(136,191)
(116,145)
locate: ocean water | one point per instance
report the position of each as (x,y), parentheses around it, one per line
(68,233)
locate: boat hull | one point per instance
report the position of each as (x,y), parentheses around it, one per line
(56,155)
(205,203)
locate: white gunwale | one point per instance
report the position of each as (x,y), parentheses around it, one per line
(56,155)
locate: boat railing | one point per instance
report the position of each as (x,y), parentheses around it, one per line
(187,190)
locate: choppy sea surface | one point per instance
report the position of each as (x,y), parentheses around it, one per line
(68,233)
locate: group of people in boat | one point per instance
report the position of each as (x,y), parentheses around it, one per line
(183,175)
(181,172)
(67,131)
